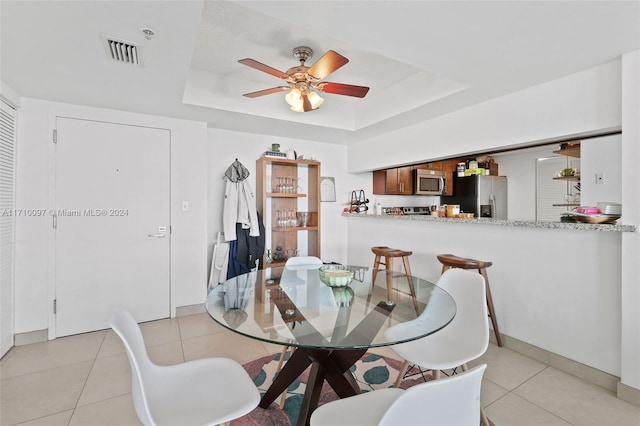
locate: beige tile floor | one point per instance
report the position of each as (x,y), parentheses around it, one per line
(85,379)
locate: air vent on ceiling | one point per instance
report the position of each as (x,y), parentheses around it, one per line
(121,50)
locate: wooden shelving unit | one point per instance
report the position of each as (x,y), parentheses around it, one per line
(269,172)
(575,178)
(569,152)
(573,150)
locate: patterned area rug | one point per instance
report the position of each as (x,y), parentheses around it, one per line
(371,372)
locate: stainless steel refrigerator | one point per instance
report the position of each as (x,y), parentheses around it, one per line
(486,196)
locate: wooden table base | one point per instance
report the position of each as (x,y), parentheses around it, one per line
(332,365)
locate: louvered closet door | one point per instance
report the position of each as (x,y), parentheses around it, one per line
(7,224)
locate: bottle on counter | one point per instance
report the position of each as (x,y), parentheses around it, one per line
(378,209)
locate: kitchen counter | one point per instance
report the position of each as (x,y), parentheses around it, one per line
(512,223)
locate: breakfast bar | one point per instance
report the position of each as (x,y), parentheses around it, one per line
(556,286)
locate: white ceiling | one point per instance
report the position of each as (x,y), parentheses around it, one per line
(421,59)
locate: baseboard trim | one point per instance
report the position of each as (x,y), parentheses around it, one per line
(589,374)
(183,311)
(629,394)
(29,337)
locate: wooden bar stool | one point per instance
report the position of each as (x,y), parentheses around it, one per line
(452,261)
(389,254)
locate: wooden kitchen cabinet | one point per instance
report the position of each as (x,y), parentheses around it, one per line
(274,203)
(434,165)
(397,181)
(449,168)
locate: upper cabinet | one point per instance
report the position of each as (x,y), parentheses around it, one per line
(398,181)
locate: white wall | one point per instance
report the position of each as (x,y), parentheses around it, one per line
(601,155)
(631,214)
(593,101)
(188,183)
(555,289)
(225,146)
(584,102)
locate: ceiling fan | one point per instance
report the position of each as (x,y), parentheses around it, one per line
(303,80)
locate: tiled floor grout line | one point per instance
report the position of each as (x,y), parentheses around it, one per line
(531,402)
(73,411)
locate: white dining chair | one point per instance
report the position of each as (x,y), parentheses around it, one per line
(303,261)
(464,339)
(452,401)
(206,391)
(293,264)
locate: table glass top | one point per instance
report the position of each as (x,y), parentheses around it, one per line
(291,306)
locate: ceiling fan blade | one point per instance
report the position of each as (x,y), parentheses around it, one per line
(306,103)
(264,68)
(267,91)
(329,62)
(344,89)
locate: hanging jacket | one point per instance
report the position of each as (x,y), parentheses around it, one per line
(245,251)
(239,207)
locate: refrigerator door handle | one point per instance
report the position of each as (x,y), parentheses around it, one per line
(492,201)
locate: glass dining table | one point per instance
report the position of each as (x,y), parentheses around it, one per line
(331,328)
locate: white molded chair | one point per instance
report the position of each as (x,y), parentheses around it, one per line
(303,261)
(201,392)
(452,401)
(293,263)
(464,339)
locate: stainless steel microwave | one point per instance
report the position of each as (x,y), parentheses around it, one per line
(429,182)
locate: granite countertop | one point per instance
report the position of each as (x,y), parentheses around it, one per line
(514,223)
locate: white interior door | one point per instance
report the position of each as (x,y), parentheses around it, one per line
(112,236)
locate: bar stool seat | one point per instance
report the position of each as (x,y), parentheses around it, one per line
(389,254)
(453,261)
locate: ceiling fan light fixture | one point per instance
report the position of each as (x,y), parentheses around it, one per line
(302,79)
(315,100)
(295,100)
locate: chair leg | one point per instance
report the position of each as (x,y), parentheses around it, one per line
(283,398)
(483,418)
(407,270)
(401,374)
(492,312)
(283,354)
(376,265)
(388,263)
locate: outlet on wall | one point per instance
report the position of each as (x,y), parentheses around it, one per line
(599,178)
(185,206)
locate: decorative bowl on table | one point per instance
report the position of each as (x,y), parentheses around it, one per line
(335,275)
